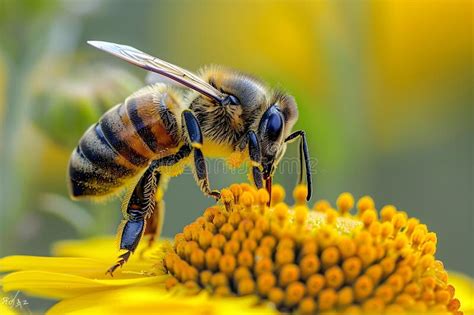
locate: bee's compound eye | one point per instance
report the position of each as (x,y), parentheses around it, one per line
(274,126)
(231,100)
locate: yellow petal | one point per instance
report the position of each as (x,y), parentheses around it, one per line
(464,286)
(5,310)
(86,267)
(98,247)
(102,247)
(7,304)
(155,301)
(71,265)
(105,249)
(59,285)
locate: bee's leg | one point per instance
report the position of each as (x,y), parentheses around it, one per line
(304,155)
(194,133)
(154,222)
(142,204)
(255,158)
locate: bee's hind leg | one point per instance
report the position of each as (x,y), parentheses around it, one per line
(154,222)
(142,206)
(193,129)
(139,207)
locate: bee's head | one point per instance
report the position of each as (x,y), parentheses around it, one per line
(238,88)
(254,106)
(274,126)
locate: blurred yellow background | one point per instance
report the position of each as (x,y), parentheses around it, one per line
(384,91)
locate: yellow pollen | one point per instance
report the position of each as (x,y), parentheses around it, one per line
(347,247)
(278,194)
(218,241)
(309,247)
(368,217)
(314,284)
(326,237)
(398,221)
(375,272)
(219,220)
(276,295)
(334,277)
(385,293)
(246,286)
(213,255)
(285,242)
(241,273)
(365,203)
(232,247)
(262,252)
(263,265)
(262,198)
(331,216)
(171,282)
(328,261)
(236,190)
(245,259)
(299,194)
(330,257)
(226,230)
(205,239)
(345,202)
(265,282)
(375,228)
(345,296)
(387,213)
(373,305)
(301,214)
(197,258)
(322,205)
(352,267)
(246,225)
(246,199)
(227,264)
(227,196)
(288,274)
(307,306)
(205,277)
(363,287)
(219,279)
(281,212)
(386,229)
(309,265)
(222,291)
(327,299)
(284,256)
(294,293)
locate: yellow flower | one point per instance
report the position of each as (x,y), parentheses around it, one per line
(243,256)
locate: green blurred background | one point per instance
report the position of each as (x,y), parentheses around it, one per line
(384,90)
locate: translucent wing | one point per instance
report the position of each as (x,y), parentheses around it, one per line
(150,63)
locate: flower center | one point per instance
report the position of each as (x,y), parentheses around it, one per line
(311,261)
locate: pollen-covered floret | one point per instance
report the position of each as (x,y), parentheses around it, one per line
(311,261)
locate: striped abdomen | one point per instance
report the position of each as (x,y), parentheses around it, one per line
(124,141)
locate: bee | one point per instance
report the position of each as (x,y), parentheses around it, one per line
(159,130)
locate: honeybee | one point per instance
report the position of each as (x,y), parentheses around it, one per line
(159,130)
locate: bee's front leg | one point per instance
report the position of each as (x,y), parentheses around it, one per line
(304,159)
(193,130)
(251,142)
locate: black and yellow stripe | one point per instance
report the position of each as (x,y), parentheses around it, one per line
(123,142)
